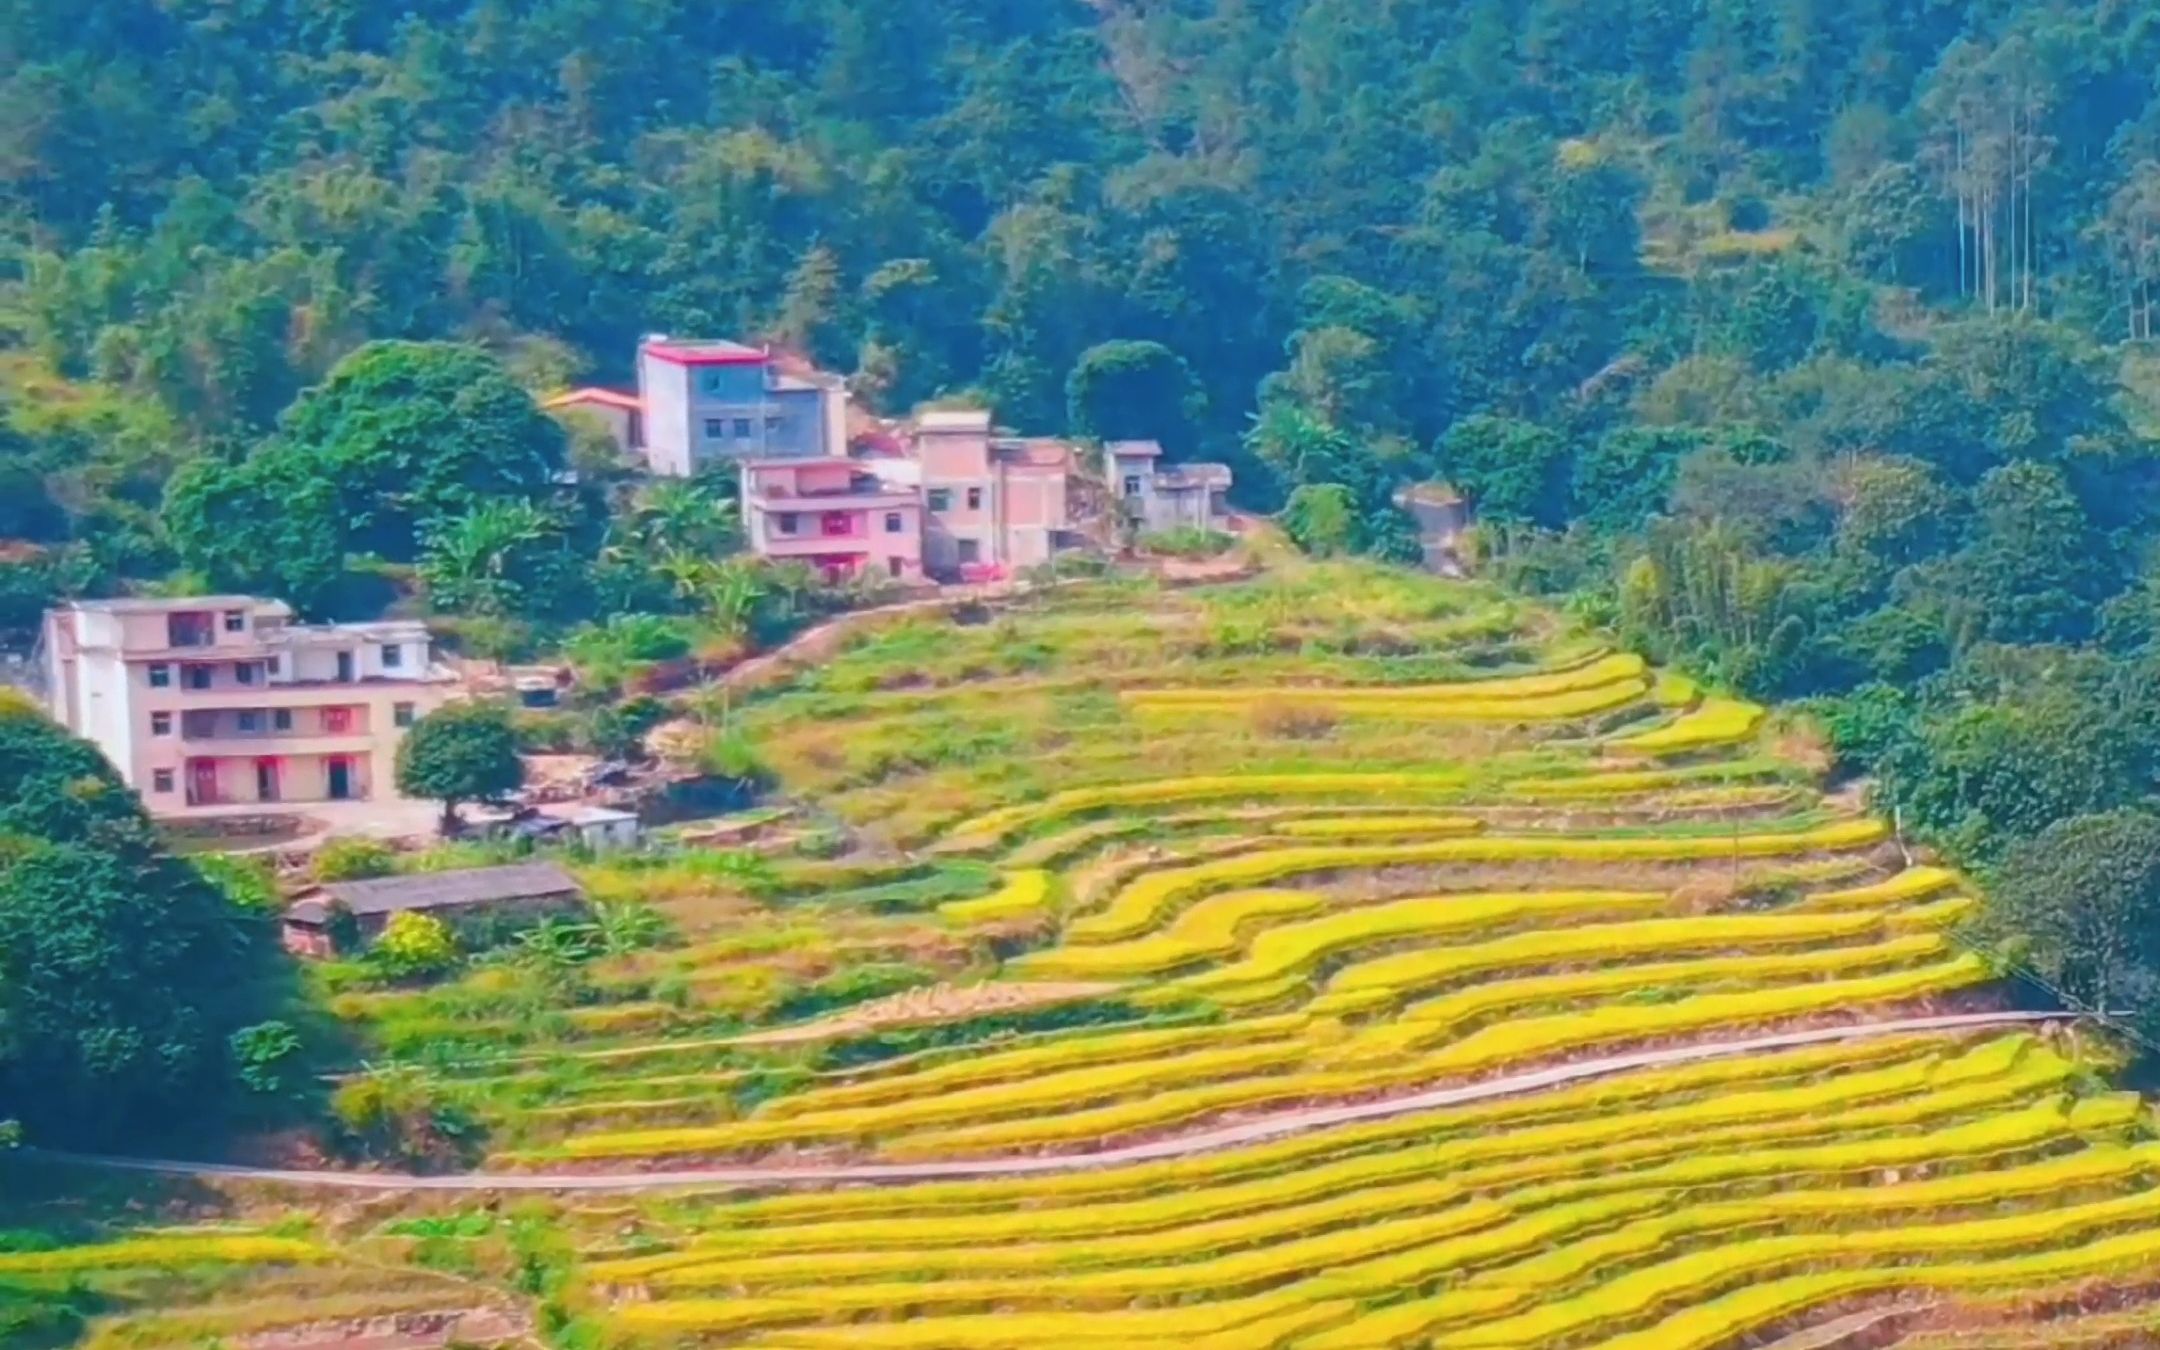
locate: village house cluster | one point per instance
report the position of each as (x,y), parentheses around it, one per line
(223,705)
(943,495)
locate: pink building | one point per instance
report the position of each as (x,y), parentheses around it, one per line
(221,701)
(835,515)
(991,505)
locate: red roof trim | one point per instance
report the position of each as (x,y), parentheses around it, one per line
(606,398)
(730,355)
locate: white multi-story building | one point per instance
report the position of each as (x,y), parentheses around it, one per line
(222,701)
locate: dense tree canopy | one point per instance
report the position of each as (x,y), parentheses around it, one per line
(1808,343)
(461,752)
(124,972)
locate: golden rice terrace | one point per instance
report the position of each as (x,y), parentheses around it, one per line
(1329,961)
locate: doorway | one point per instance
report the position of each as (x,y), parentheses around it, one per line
(202,782)
(266,780)
(344,667)
(340,779)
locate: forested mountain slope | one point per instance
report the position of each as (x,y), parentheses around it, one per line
(1790,337)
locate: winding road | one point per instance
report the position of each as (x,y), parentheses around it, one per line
(1299,1121)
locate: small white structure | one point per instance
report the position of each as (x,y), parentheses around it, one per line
(600,828)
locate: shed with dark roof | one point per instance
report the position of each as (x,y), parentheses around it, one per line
(517,890)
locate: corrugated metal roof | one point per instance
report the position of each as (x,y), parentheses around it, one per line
(449,890)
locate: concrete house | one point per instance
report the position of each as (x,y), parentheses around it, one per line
(1158,497)
(702,403)
(834,514)
(991,504)
(220,702)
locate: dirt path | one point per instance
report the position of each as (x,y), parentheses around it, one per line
(1229,1136)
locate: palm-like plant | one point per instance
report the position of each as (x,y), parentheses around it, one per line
(469,561)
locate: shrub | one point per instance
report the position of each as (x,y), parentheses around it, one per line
(354,860)
(1188,541)
(400,1116)
(414,946)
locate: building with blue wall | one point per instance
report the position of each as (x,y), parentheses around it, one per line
(706,403)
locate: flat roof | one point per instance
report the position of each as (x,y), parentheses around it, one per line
(1194,475)
(953,419)
(704,353)
(153,604)
(1134,449)
(449,890)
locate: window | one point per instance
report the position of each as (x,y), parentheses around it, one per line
(892,524)
(197,677)
(275,665)
(244,672)
(336,721)
(772,425)
(188,630)
(970,550)
(161,780)
(836,525)
(393,656)
(236,621)
(161,724)
(1132,485)
(160,675)
(715,428)
(941,499)
(784,523)
(742,428)
(281,719)
(974,499)
(402,714)
(249,719)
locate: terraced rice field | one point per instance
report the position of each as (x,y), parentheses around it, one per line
(1323,839)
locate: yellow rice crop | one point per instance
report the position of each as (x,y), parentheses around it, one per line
(1541,708)
(1914,883)
(992,826)
(1291,950)
(1605,670)
(1529,1037)
(1024,895)
(997,1101)
(1713,722)
(1404,973)
(1382,1257)
(1716,1323)
(1567,787)
(1213,927)
(1535,1282)
(1385,1058)
(1702,1273)
(175,1249)
(1181,1226)
(1353,827)
(1672,690)
(1606,1099)
(1142,904)
(998,1066)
